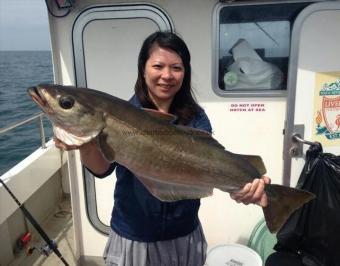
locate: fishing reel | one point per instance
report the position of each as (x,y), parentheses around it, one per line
(45,249)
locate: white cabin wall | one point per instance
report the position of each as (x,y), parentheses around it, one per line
(247,133)
(193,22)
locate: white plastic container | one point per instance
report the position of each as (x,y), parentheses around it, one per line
(233,255)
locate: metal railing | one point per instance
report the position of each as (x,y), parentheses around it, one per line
(37,116)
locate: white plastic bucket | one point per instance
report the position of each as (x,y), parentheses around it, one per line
(233,255)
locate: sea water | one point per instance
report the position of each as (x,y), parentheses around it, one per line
(20,70)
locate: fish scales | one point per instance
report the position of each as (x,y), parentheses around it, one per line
(194,166)
(164,141)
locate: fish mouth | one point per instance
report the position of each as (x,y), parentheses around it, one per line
(37,97)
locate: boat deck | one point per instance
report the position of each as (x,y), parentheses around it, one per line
(59,227)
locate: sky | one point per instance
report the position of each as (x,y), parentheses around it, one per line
(24,25)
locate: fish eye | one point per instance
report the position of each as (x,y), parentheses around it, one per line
(66,102)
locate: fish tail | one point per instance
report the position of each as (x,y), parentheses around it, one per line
(282,202)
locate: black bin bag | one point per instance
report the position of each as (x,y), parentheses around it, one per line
(313,231)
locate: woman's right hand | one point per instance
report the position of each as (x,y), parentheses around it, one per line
(63,146)
(90,155)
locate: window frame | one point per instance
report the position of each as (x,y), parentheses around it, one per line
(216,55)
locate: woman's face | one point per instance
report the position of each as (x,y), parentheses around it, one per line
(164,73)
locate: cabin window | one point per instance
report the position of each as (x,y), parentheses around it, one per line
(253,46)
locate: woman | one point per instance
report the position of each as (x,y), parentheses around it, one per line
(146,231)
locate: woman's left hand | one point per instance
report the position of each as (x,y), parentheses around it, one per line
(253,192)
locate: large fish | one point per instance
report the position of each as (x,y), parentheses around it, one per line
(173,162)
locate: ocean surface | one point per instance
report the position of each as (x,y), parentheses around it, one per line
(20,70)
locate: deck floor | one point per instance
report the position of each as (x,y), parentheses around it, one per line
(58,227)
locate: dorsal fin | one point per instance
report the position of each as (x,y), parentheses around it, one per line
(160,115)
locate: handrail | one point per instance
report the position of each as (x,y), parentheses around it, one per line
(26,121)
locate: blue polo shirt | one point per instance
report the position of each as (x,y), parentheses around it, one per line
(139,216)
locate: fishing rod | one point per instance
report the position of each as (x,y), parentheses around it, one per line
(51,245)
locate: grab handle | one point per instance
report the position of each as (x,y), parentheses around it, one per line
(296,151)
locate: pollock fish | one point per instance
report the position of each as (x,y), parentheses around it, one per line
(173,162)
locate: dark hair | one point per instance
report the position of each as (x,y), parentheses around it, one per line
(183,105)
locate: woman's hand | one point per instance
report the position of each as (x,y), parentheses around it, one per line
(63,146)
(90,155)
(86,147)
(253,192)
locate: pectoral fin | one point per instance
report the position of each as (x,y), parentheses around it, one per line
(106,150)
(174,192)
